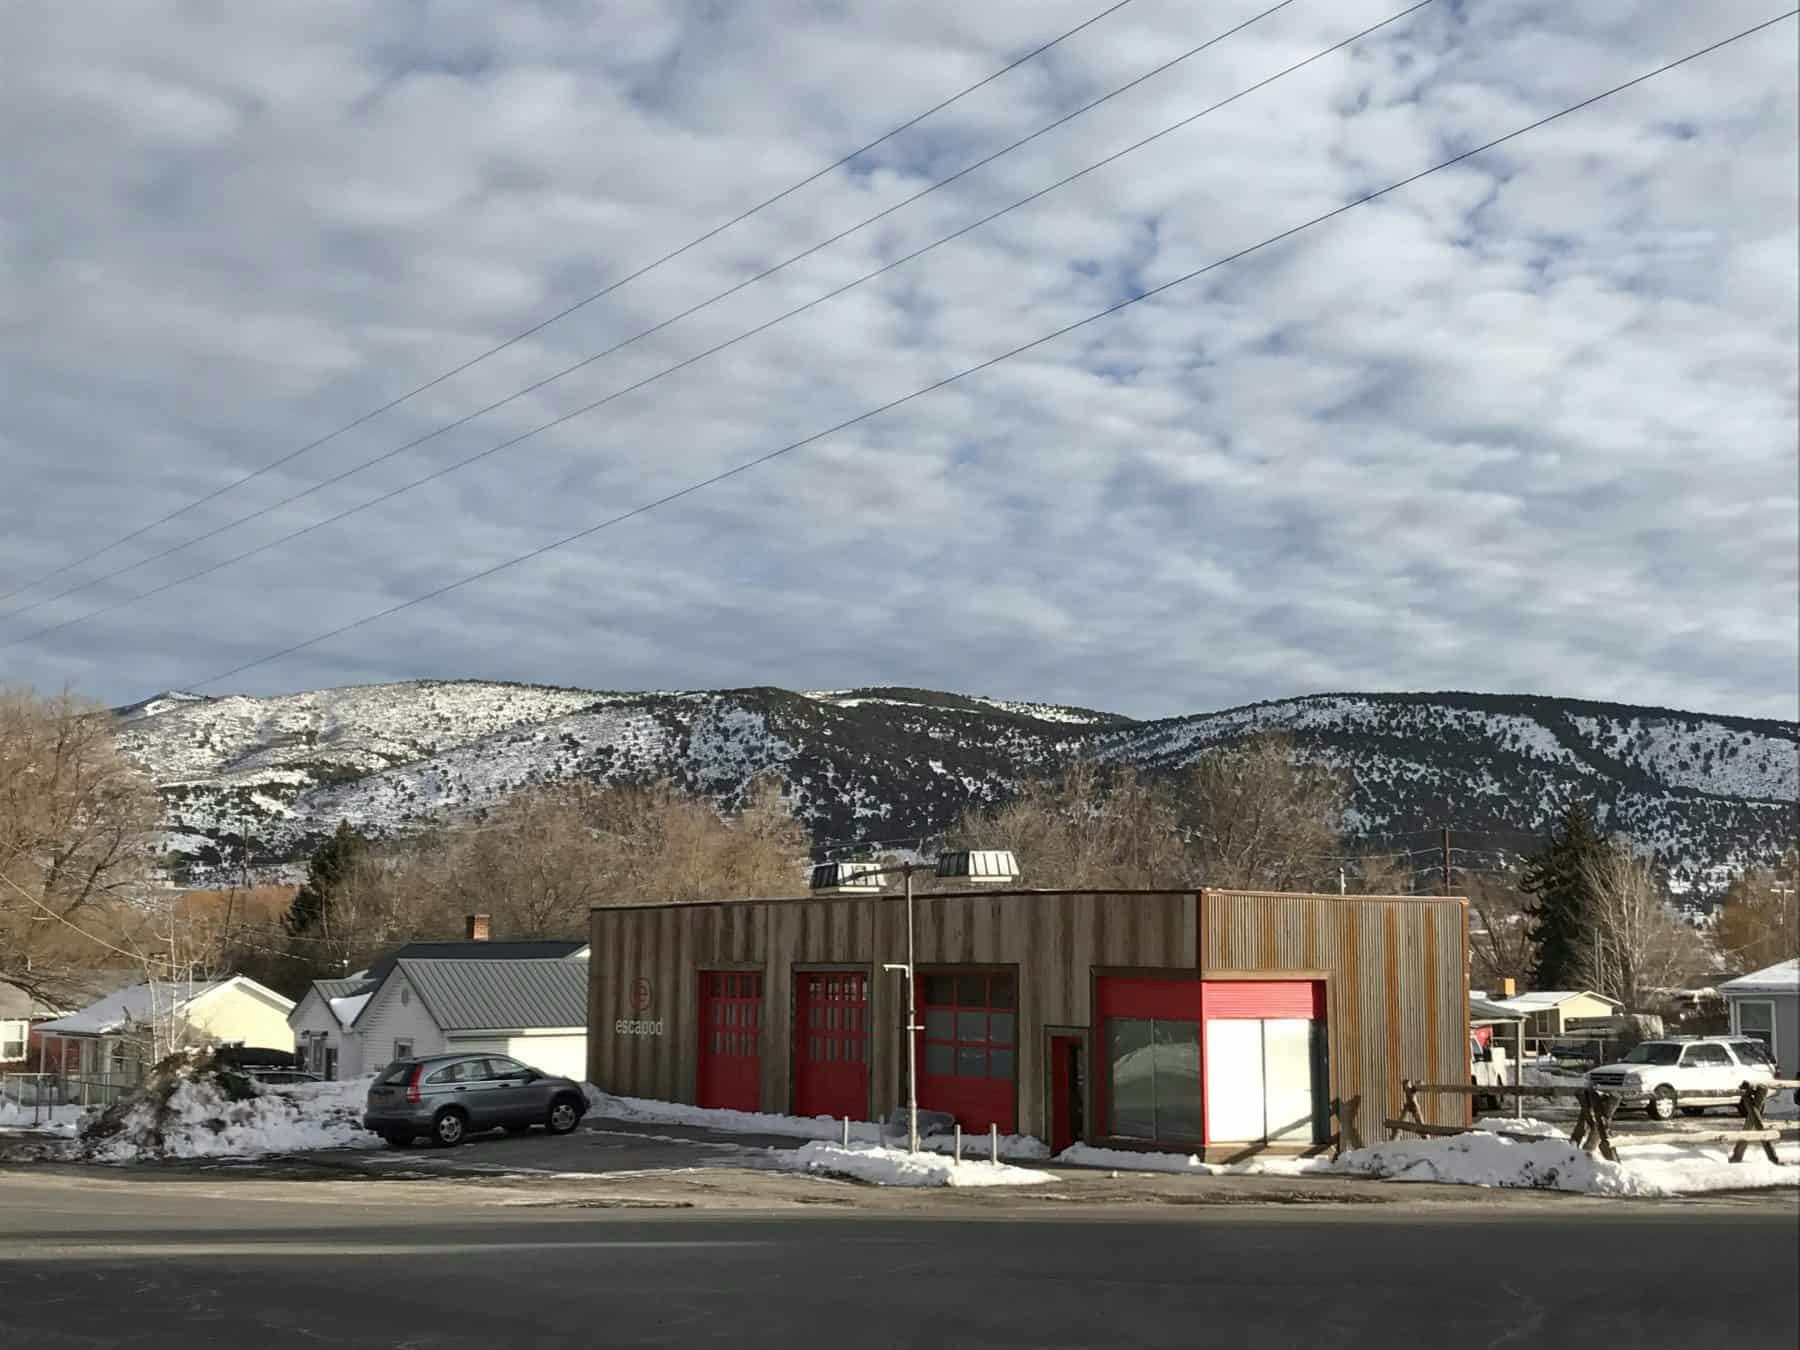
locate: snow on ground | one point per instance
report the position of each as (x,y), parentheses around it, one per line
(643,1110)
(897,1167)
(199,1119)
(1086,1155)
(1480,1158)
(62,1120)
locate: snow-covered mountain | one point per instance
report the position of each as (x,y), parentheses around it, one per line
(894,765)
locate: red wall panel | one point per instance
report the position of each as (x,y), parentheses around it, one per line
(1176,999)
(1265,998)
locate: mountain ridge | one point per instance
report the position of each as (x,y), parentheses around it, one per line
(263,779)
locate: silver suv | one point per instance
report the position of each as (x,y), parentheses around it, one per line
(1691,1074)
(449,1097)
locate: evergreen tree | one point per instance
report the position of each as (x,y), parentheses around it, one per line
(330,865)
(1556,878)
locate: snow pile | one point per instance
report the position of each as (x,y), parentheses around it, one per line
(1480,1158)
(47,1119)
(897,1167)
(193,1109)
(1189,1164)
(645,1111)
(1543,1129)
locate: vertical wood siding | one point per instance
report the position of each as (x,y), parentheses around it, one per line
(1396,990)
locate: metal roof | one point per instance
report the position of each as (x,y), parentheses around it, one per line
(330,989)
(1487,1010)
(535,949)
(1781,978)
(500,995)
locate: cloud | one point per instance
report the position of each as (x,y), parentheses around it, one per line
(1529,424)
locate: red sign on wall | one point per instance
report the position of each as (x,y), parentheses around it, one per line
(640,994)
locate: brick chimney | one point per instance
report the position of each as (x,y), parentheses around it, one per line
(477,927)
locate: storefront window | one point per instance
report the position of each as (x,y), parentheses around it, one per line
(1154,1078)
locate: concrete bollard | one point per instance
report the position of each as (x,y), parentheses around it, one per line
(846,1131)
(958,1154)
(993,1143)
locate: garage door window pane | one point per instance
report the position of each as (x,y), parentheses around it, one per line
(1000,1064)
(940,1059)
(940,1024)
(971,1026)
(1000,1028)
(940,990)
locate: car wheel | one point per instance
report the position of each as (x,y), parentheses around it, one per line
(564,1116)
(448,1128)
(518,1128)
(1662,1104)
(1693,1110)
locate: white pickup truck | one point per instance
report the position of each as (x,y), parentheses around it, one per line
(1716,1067)
(1489,1066)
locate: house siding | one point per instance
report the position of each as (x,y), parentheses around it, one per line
(388,1018)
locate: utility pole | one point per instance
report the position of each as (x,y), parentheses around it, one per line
(1446,860)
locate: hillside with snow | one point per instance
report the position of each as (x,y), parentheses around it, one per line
(269,777)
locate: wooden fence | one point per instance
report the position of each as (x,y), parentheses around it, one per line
(1593,1130)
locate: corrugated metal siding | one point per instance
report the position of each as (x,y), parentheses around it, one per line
(1396,986)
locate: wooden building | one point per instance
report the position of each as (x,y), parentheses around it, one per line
(1224,1021)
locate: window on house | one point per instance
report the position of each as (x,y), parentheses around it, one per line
(403,1049)
(13,1037)
(1756,1019)
(971,1025)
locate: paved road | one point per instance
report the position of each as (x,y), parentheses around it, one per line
(266,1264)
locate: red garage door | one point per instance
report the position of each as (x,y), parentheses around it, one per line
(831,1043)
(730,1040)
(968,1050)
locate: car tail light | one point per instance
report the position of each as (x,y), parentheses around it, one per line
(412,1084)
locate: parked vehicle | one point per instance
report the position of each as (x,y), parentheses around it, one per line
(1489,1066)
(449,1097)
(1654,1073)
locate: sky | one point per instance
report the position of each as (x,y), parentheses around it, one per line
(1526,425)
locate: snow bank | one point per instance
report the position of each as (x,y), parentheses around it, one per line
(644,1110)
(195,1111)
(1480,1158)
(1275,1165)
(63,1120)
(897,1167)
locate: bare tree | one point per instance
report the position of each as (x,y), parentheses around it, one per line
(1634,943)
(1759,921)
(1259,820)
(1500,946)
(1088,828)
(75,829)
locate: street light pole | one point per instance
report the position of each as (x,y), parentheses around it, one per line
(912,1031)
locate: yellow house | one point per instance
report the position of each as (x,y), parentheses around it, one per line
(114,1038)
(1548,1012)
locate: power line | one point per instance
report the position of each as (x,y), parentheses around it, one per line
(579,304)
(659,327)
(759,460)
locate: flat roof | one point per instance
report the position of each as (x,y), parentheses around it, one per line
(1022,893)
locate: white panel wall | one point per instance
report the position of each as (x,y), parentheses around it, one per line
(396,1013)
(565,1056)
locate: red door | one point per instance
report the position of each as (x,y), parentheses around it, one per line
(831,1043)
(1068,1103)
(730,1040)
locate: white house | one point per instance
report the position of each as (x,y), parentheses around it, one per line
(324,1026)
(332,1024)
(534,1011)
(119,1035)
(1766,1004)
